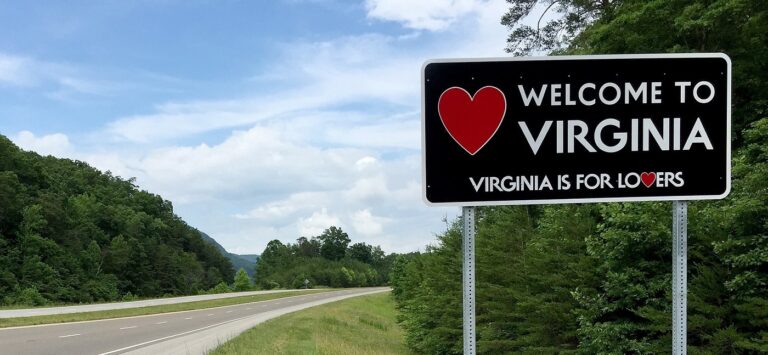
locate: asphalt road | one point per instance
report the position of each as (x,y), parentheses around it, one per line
(188,332)
(42,311)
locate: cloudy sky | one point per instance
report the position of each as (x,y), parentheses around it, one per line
(259,120)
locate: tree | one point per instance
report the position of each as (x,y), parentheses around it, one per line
(361,251)
(745,250)
(10,193)
(595,279)
(568,19)
(308,247)
(274,257)
(288,265)
(628,312)
(428,290)
(242,281)
(70,233)
(334,243)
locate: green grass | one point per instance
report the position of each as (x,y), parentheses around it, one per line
(359,325)
(130,312)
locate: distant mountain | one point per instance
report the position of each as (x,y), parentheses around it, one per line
(246,261)
(249,257)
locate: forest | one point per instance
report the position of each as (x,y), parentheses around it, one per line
(595,278)
(72,234)
(325,260)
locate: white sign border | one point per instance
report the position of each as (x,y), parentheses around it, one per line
(575,200)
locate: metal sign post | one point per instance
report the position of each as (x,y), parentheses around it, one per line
(679,276)
(468,270)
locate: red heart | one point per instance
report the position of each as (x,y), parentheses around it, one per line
(472,120)
(648,178)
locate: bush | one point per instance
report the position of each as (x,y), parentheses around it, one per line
(220,288)
(270,285)
(130,297)
(30,297)
(102,289)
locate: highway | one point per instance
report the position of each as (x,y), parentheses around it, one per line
(188,332)
(44,311)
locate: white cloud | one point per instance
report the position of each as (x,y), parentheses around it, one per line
(58,81)
(430,15)
(56,144)
(259,161)
(15,70)
(367,224)
(367,189)
(327,75)
(285,211)
(323,84)
(335,139)
(315,224)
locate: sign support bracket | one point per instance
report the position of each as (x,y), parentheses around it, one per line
(679,276)
(468,280)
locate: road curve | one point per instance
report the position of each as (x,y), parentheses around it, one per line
(31,312)
(187,332)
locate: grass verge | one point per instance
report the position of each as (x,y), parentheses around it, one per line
(359,325)
(130,312)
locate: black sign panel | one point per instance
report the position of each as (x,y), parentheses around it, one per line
(576,129)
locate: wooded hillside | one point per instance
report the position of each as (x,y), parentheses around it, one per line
(69,233)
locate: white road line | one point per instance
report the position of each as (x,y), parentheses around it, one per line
(68,336)
(161,322)
(229,311)
(210,314)
(131,327)
(173,336)
(188,318)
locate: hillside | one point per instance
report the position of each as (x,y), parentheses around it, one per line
(247,262)
(70,233)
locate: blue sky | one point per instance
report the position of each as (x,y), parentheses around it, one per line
(259,120)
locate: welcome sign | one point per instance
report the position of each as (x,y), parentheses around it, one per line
(576,129)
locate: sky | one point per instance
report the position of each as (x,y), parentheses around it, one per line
(258,120)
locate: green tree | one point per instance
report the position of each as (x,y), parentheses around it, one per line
(556,27)
(308,247)
(745,249)
(10,200)
(629,311)
(275,257)
(69,233)
(361,251)
(242,281)
(334,243)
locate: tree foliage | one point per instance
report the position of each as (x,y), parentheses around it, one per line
(323,260)
(595,279)
(333,243)
(69,233)
(242,281)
